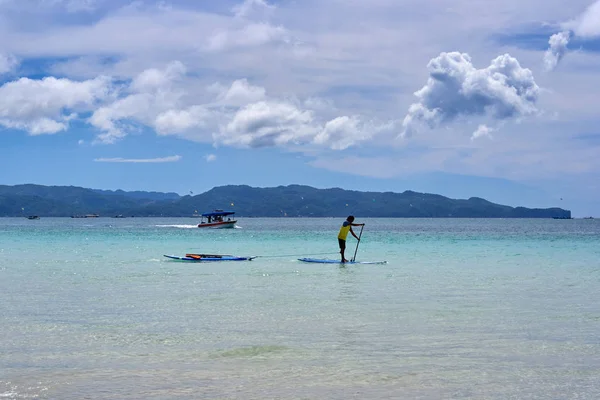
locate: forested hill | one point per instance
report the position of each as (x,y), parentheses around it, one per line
(246,201)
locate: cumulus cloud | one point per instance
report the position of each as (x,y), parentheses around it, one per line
(557,50)
(139,160)
(586,25)
(455,88)
(150,97)
(47,105)
(268,123)
(164,100)
(7,63)
(273,123)
(482,131)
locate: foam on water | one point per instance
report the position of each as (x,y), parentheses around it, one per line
(178,226)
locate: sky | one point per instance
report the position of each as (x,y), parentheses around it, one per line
(461,98)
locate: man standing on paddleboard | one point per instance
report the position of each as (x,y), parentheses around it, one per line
(346,227)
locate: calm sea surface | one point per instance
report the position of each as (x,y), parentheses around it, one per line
(464,309)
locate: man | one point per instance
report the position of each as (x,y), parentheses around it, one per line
(346,227)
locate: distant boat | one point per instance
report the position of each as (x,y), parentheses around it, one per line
(85,216)
(119,216)
(216,219)
(33,217)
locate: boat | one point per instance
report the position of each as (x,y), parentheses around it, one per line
(208,257)
(216,219)
(33,217)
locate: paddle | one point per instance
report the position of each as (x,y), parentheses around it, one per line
(357,243)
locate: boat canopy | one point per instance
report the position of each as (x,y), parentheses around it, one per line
(218,213)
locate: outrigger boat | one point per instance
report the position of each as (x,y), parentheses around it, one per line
(216,219)
(208,257)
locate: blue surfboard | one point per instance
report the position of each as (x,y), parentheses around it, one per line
(200,258)
(326,261)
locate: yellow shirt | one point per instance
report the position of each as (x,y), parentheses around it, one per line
(344,230)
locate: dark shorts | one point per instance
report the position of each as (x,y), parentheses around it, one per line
(342,244)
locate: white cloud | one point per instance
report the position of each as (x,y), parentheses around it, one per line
(36,127)
(265,124)
(455,88)
(151,95)
(341,132)
(241,93)
(587,25)
(46,105)
(139,160)
(279,123)
(557,50)
(166,100)
(482,131)
(178,121)
(154,79)
(210,157)
(8,63)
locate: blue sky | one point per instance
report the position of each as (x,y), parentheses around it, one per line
(461,98)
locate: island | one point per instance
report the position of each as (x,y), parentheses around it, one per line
(247,201)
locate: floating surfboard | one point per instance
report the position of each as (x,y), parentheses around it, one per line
(325,261)
(208,257)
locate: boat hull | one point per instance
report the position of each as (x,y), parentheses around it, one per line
(218,225)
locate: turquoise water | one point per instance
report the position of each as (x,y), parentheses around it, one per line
(464,309)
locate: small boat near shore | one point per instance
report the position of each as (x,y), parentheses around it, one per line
(216,219)
(33,217)
(208,257)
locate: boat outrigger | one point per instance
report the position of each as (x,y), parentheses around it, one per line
(216,219)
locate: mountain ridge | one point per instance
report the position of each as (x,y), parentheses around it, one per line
(247,201)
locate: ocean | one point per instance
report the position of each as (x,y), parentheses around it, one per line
(464,309)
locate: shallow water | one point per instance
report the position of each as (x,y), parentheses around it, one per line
(464,309)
